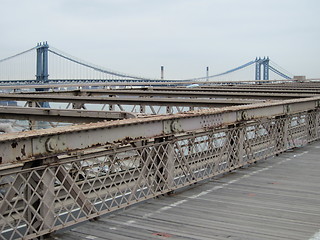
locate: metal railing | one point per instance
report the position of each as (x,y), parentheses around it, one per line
(54,178)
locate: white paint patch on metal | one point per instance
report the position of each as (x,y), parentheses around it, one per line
(90,237)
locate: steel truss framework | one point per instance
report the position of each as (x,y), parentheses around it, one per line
(146,100)
(61,115)
(196,93)
(54,178)
(142,105)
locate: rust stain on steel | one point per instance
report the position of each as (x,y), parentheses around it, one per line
(23,150)
(127,140)
(166,235)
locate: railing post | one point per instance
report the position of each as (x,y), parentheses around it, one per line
(281,133)
(39,194)
(241,137)
(163,164)
(311,125)
(236,138)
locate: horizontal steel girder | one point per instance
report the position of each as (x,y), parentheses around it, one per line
(126,100)
(185,93)
(27,146)
(61,115)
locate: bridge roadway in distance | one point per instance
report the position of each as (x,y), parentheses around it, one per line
(277,198)
(277,85)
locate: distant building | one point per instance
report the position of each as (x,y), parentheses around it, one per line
(299,78)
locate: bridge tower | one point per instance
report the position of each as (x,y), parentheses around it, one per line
(258,68)
(266,68)
(42,73)
(265,63)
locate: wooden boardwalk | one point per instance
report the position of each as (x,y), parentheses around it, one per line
(275,199)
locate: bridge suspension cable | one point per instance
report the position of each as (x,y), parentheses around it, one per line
(224,73)
(18,54)
(279,73)
(280,69)
(96,68)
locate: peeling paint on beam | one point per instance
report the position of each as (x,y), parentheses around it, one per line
(61,115)
(26,146)
(127,101)
(176,92)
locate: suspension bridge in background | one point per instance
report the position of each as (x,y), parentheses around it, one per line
(46,65)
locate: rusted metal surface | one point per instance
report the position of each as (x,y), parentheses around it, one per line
(126,100)
(215,93)
(24,146)
(61,115)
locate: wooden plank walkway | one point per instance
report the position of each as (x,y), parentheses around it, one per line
(275,199)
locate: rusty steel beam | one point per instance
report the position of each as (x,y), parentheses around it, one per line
(187,93)
(254,89)
(127,101)
(26,146)
(276,86)
(212,93)
(61,115)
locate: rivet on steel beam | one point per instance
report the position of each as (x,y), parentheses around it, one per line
(51,144)
(286,108)
(244,115)
(176,126)
(167,127)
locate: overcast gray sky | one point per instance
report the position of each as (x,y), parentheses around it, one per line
(138,36)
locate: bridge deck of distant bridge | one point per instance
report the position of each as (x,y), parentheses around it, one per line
(275,199)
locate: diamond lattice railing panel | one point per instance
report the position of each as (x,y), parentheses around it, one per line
(37,198)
